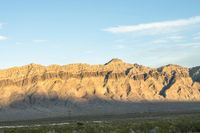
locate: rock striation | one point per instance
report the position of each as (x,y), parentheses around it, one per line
(35,91)
(30,85)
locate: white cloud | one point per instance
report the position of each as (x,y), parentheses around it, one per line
(169,39)
(155,26)
(2,38)
(39,40)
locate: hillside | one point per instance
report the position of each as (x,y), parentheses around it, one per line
(76,88)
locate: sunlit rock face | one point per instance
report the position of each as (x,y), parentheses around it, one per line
(35,91)
(113,81)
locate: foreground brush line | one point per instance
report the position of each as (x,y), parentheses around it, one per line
(165,124)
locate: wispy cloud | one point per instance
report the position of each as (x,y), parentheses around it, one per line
(169,39)
(155,26)
(2,38)
(39,40)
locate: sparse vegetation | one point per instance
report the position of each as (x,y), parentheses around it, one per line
(183,124)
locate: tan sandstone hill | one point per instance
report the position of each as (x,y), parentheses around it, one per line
(115,80)
(35,91)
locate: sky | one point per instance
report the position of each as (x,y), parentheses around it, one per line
(147,32)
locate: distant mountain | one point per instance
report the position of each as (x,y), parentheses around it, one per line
(44,89)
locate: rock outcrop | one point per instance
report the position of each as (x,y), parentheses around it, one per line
(80,88)
(114,80)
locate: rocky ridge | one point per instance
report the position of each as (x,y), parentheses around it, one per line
(113,81)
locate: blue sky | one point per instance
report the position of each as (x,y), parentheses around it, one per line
(147,32)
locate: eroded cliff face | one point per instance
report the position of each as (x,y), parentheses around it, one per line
(113,81)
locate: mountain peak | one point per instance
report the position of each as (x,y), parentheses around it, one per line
(115,61)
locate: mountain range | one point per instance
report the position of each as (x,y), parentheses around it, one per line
(36,91)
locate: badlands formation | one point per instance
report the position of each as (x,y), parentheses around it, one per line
(35,91)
